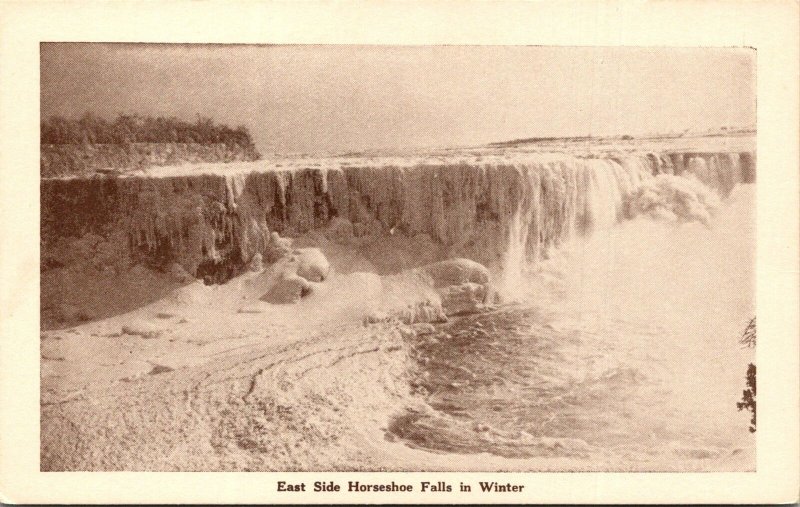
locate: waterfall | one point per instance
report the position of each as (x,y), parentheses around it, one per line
(522,222)
(564,196)
(505,209)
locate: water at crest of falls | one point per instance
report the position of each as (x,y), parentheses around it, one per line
(591,199)
(620,347)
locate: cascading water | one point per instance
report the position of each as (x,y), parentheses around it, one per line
(562,196)
(600,354)
(522,221)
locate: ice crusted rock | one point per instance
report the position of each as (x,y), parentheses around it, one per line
(290,288)
(313,266)
(464,298)
(422,312)
(456,272)
(463,285)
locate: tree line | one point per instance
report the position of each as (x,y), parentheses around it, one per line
(133,128)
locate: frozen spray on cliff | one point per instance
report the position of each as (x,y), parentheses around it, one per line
(502,210)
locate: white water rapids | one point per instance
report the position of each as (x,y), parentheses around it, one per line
(619,350)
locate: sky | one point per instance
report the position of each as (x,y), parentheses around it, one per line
(347,98)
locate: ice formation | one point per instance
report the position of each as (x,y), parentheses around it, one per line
(673,198)
(499,209)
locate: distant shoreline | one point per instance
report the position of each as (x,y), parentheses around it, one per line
(723,132)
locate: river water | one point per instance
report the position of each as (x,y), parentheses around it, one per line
(621,348)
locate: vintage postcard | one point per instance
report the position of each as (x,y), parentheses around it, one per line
(292,269)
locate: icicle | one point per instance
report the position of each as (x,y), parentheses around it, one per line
(506,210)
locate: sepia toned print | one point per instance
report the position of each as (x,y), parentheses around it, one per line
(363,258)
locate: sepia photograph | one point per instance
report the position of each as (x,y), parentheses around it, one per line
(395,258)
(425,252)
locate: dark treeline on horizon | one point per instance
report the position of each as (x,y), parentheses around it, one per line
(133,128)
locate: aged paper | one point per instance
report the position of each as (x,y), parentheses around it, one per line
(407,253)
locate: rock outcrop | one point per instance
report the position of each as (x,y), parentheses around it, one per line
(313,266)
(456,272)
(463,285)
(295,275)
(464,298)
(423,312)
(288,289)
